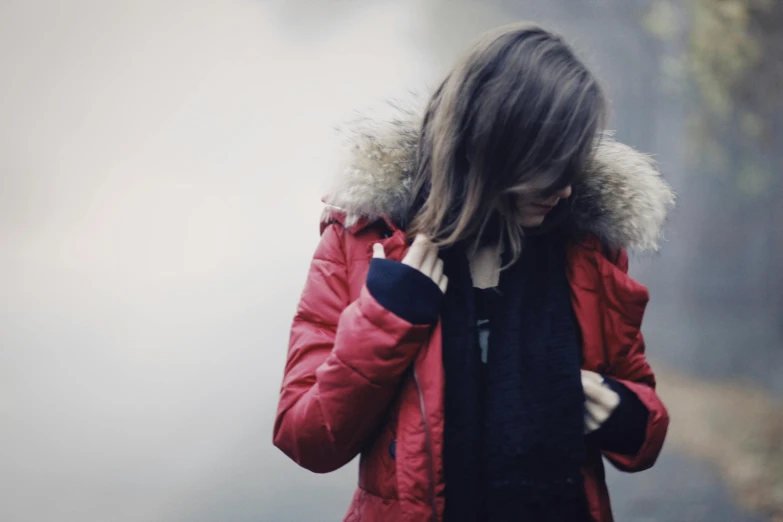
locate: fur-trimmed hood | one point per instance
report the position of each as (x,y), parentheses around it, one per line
(623,199)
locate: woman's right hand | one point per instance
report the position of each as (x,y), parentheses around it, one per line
(423,256)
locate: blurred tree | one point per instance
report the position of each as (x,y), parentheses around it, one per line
(729,57)
(731,60)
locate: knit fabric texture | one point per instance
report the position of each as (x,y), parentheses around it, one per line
(513,441)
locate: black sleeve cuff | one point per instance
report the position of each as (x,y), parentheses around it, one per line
(404,291)
(626,428)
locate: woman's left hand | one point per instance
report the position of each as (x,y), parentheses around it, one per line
(600,400)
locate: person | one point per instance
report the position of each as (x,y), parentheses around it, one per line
(468,325)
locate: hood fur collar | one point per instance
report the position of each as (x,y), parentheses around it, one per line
(623,199)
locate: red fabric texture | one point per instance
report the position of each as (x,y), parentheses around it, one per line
(358,377)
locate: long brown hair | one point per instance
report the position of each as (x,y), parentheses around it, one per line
(519,113)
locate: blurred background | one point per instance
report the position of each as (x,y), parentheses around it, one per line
(161,168)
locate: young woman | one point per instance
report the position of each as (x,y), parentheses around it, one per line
(468,326)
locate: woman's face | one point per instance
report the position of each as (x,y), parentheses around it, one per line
(531,213)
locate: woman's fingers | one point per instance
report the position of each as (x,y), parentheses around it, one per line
(592,376)
(417,252)
(437,271)
(439,277)
(596,414)
(597,411)
(601,394)
(443,283)
(600,400)
(593,389)
(590,423)
(423,256)
(596,389)
(430,259)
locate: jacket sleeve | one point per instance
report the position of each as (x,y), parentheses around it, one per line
(635,374)
(345,361)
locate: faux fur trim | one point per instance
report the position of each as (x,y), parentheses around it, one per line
(623,199)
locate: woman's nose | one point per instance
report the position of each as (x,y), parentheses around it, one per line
(564,193)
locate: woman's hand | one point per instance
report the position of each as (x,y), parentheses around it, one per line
(600,400)
(423,256)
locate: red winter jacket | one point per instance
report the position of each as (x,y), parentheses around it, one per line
(360,380)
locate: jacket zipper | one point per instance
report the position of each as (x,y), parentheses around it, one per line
(428,440)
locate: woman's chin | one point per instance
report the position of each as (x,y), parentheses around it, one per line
(531,220)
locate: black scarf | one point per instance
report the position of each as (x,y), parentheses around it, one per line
(513,441)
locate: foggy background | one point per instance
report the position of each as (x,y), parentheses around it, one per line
(161,168)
